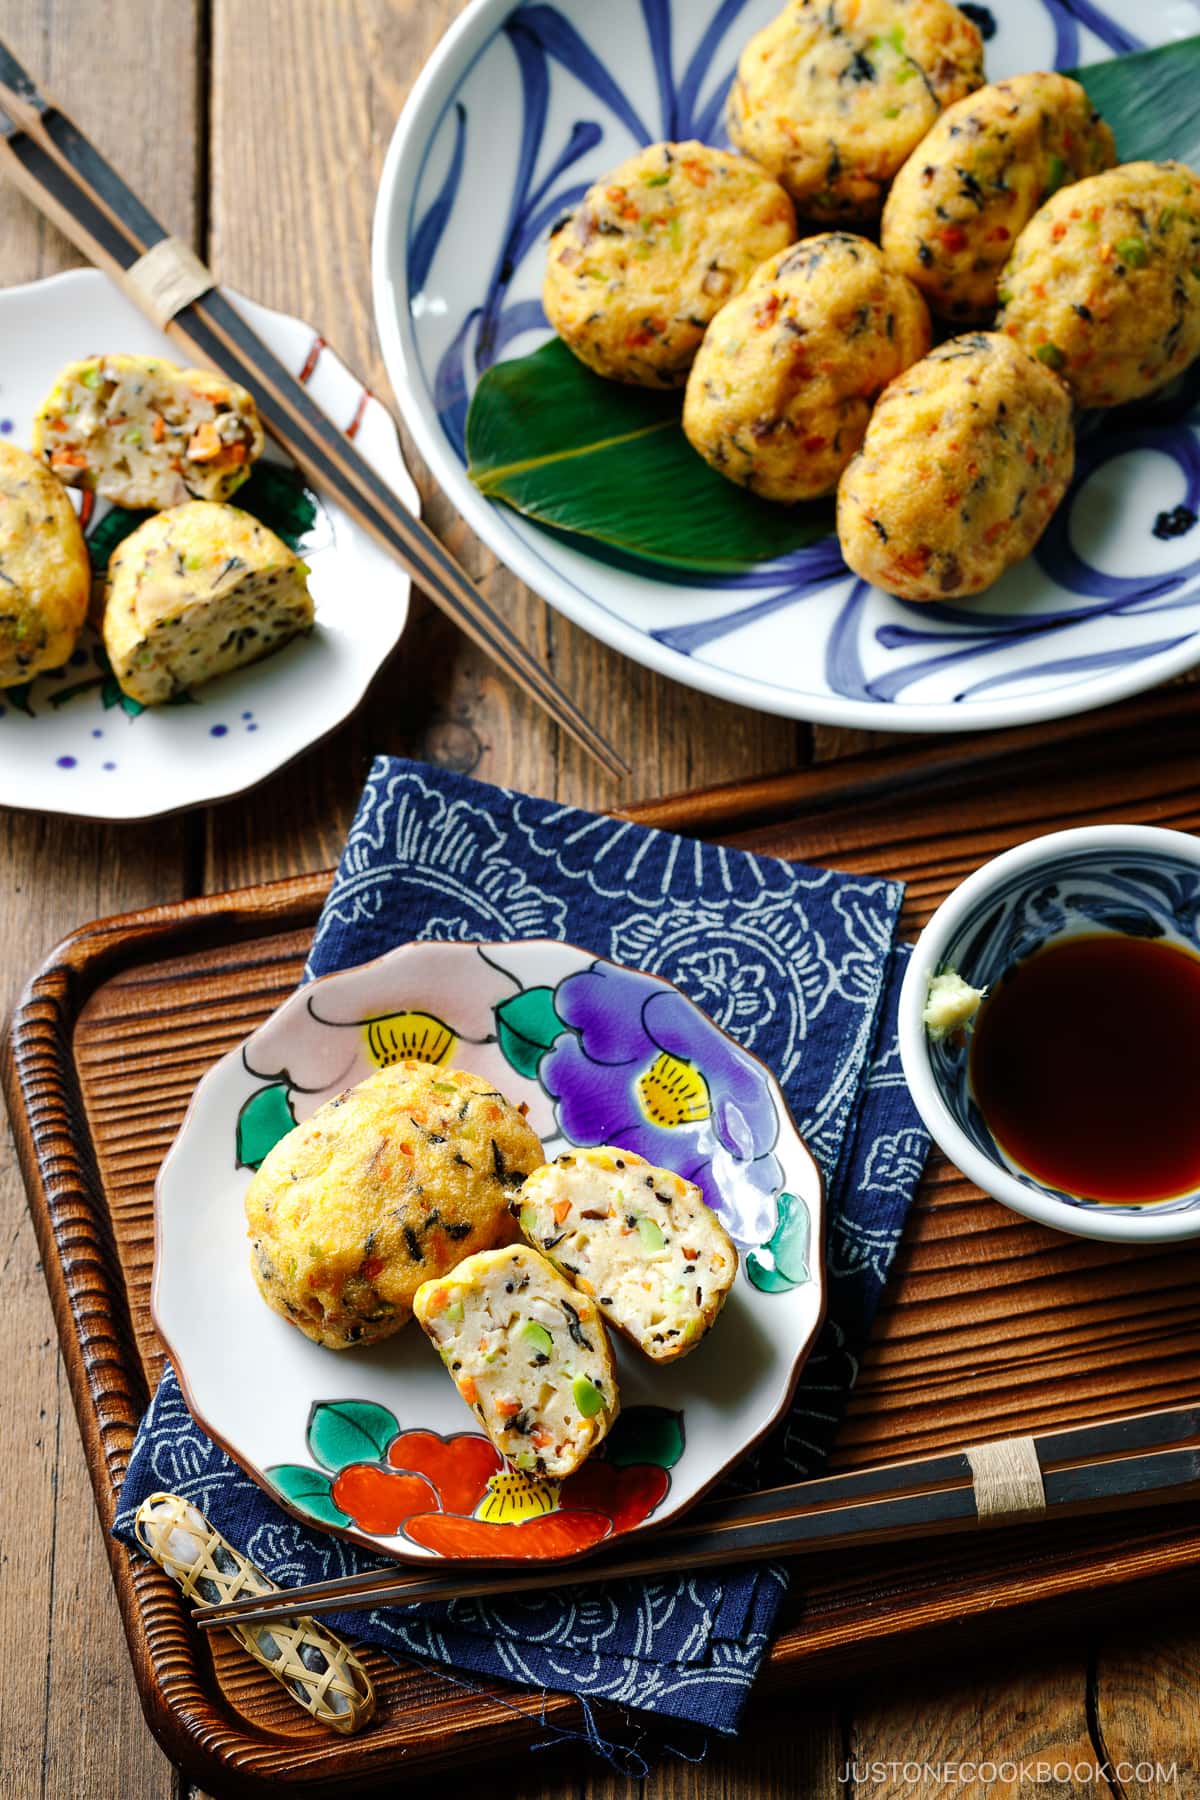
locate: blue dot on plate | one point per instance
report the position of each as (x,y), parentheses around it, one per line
(5,426)
(247,715)
(66,762)
(107,766)
(218,731)
(96,731)
(252,728)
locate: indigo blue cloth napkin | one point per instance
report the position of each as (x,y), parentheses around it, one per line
(798,964)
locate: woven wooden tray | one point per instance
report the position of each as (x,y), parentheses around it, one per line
(990,1326)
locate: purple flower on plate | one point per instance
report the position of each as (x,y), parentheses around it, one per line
(643,1068)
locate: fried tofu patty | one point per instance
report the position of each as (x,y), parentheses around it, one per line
(528,1353)
(972,185)
(1104,282)
(392,1182)
(144,433)
(45,576)
(195,592)
(833,95)
(780,394)
(639,1240)
(965,459)
(636,272)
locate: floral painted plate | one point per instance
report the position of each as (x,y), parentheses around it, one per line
(70,742)
(520,108)
(377,1444)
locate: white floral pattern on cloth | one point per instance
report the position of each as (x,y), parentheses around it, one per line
(798,965)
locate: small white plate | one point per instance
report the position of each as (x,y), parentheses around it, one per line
(375,1443)
(68,744)
(517,111)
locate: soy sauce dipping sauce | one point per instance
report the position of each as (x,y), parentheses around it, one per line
(1084,1062)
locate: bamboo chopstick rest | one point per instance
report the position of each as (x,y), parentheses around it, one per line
(318,1670)
(168,277)
(1007,1480)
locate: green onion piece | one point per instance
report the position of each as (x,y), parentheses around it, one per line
(454,1312)
(528,1221)
(588,1398)
(91,378)
(1057,175)
(651,1235)
(537,1336)
(1004,295)
(659,180)
(1133,251)
(1051,355)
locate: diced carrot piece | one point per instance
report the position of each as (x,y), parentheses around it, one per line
(508,1409)
(158,427)
(204,445)
(438,1302)
(68,459)
(468,1390)
(560,1210)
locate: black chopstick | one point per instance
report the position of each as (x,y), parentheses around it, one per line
(46,154)
(1149,1458)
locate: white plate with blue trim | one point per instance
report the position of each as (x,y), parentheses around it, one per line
(522,107)
(70,742)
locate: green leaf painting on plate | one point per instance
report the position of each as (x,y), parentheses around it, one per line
(341,1432)
(309,1492)
(609,464)
(265,1117)
(526,1026)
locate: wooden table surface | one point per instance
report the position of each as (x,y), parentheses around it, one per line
(258,131)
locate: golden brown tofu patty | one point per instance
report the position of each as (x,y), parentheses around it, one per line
(389,1184)
(636,272)
(195,592)
(45,576)
(833,95)
(965,459)
(1104,282)
(781,391)
(143,433)
(972,185)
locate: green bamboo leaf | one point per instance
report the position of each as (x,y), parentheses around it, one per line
(526,1026)
(1149,99)
(592,457)
(341,1432)
(266,1117)
(309,1492)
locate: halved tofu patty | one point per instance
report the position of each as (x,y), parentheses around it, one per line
(143,432)
(388,1184)
(638,1239)
(45,576)
(195,592)
(528,1353)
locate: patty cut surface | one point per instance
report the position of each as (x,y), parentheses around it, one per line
(1104,282)
(45,575)
(833,95)
(972,185)
(142,432)
(965,460)
(780,394)
(392,1182)
(195,592)
(528,1354)
(637,1239)
(636,272)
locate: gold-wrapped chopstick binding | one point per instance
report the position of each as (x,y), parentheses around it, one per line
(318,1670)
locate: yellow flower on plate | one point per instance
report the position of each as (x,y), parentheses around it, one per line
(408,1037)
(672,1092)
(511,1497)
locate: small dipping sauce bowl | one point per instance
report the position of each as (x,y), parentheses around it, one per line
(1132,880)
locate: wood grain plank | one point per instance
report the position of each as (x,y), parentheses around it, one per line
(1147,1709)
(70,1720)
(297,237)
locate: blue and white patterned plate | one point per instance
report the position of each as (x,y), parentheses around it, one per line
(71,742)
(520,108)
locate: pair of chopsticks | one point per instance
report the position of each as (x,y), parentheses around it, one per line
(1147,1459)
(47,156)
